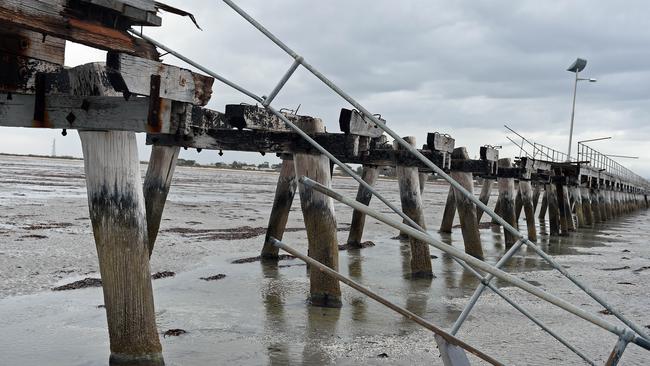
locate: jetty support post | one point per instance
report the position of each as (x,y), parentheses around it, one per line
(320,221)
(507,201)
(544,205)
(563,206)
(284,193)
(529,209)
(586,205)
(484,196)
(157,181)
(369,175)
(448,214)
(537,190)
(567,208)
(409,187)
(574,190)
(118,216)
(466,208)
(553,209)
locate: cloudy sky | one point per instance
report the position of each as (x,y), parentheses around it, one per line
(460,67)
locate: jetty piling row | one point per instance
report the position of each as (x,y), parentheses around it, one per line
(133,92)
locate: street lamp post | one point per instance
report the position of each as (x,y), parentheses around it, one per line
(576,67)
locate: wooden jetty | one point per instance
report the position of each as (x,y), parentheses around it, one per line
(133,92)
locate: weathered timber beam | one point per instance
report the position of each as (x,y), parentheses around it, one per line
(439,142)
(139,12)
(353,122)
(257,118)
(23,42)
(84,113)
(56,18)
(18,73)
(477,167)
(176,83)
(288,142)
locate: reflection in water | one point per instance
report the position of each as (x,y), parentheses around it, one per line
(321,328)
(273,299)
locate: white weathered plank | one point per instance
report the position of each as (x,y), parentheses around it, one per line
(77,112)
(175,83)
(30,44)
(355,123)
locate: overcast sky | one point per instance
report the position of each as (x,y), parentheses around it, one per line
(464,68)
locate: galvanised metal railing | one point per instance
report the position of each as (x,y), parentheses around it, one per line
(608,165)
(634,334)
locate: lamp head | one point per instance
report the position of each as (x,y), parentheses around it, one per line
(578,65)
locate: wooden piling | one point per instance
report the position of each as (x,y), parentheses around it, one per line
(562,207)
(118,216)
(423,182)
(507,201)
(608,203)
(578,205)
(157,181)
(537,189)
(595,204)
(586,206)
(486,191)
(529,210)
(497,210)
(466,208)
(285,191)
(553,210)
(519,204)
(320,221)
(544,205)
(448,214)
(409,187)
(603,204)
(369,175)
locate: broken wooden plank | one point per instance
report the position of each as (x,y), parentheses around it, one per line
(30,44)
(176,83)
(83,112)
(440,142)
(257,118)
(355,123)
(55,18)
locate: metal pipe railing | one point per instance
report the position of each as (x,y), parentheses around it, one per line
(429,164)
(477,263)
(451,339)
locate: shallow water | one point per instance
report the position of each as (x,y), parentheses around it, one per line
(257,314)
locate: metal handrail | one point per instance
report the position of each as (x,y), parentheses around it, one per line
(413,228)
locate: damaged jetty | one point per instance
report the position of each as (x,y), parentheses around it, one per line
(131,92)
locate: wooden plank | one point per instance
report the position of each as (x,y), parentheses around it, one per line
(137,11)
(176,83)
(257,118)
(355,123)
(30,44)
(489,153)
(54,18)
(83,112)
(439,142)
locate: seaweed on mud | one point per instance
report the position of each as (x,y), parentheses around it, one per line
(162,274)
(174,332)
(641,269)
(85,283)
(214,278)
(34,236)
(615,268)
(281,257)
(243,232)
(47,225)
(349,246)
